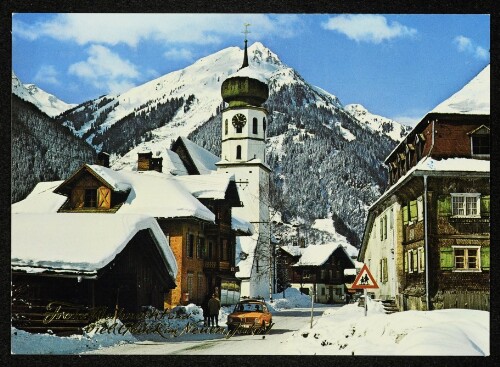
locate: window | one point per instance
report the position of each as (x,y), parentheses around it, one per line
(190,246)
(200,287)
(391,219)
(255,127)
(210,250)
(466,258)
(264,124)
(226,127)
(200,249)
(481,145)
(323,274)
(465,205)
(238,152)
(421,259)
(90,200)
(383,270)
(420,208)
(410,261)
(306,274)
(190,278)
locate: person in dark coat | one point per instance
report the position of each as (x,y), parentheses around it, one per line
(204,307)
(213,310)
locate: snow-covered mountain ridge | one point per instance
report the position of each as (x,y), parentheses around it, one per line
(46,102)
(200,83)
(383,125)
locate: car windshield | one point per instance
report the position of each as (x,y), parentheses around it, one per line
(248,307)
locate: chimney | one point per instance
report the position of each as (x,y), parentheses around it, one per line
(146,162)
(103,159)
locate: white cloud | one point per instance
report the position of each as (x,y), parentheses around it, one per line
(367,27)
(105,69)
(178,54)
(465,44)
(130,29)
(47,74)
(481,53)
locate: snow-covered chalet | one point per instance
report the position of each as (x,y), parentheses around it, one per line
(123,239)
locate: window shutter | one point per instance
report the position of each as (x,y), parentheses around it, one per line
(104,198)
(385,275)
(405,215)
(77,198)
(444,205)
(406,263)
(413,210)
(485,205)
(485,258)
(446,258)
(381,229)
(381,274)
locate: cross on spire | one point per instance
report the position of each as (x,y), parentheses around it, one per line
(246,31)
(245,54)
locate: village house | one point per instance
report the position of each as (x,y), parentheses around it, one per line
(317,267)
(185,251)
(427,238)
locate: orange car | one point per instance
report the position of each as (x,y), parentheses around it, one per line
(250,313)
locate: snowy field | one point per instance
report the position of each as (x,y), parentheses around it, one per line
(339,331)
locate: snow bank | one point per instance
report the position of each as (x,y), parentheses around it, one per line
(347,331)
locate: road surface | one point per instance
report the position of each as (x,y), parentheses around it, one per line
(274,342)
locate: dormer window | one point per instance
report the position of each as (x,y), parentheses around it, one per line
(90,200)
(480,142)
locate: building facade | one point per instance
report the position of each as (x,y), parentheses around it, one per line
(439,194)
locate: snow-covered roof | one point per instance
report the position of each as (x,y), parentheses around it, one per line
(113,178)
(202,158)
(208,186)
(317,255)
(241,225)
(432,166)
(172,163)
(473,98)
(293,250)
(78,243)
(151,193)
(41,200)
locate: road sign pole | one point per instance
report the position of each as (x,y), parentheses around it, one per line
(366,301)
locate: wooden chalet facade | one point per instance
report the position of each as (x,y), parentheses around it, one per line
(429,234)
(320,267)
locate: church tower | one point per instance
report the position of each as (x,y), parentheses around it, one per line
(244,123)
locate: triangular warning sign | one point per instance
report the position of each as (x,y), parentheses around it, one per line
(364,279)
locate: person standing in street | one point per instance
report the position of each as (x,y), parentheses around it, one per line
(213,310)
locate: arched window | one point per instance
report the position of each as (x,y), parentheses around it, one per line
(255,129)
(226,128)
(264,123)
(238,152)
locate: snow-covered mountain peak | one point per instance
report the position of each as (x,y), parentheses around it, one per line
(46,102)
(383,125)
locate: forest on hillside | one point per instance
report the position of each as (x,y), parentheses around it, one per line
(42,149)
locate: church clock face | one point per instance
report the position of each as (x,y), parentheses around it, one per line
(239,120)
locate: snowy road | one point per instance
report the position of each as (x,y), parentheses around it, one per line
(286,322)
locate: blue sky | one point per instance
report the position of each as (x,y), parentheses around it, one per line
(398,66)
